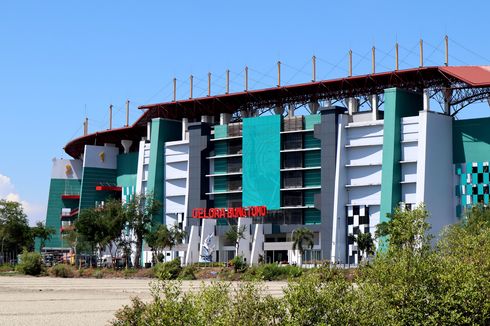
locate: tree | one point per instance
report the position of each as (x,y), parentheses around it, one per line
(15,233)
(405,229)
(139,213)
(42,232)
(234,234)
(102,226)
(365,244)
(302,238)
(162,237)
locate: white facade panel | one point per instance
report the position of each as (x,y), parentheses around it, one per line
(409,172)
(175,187)
(66,169)
(364,175)
(409,195)
(102,157)
(365,155)
(365,195)
(177,170)
(409,151)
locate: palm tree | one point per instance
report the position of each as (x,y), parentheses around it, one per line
(302,238)
(365,244)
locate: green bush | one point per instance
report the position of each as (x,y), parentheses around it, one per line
(129,272)
(410,284)
(188,273)
(169,270)
(31,263)
(62,270)
(6,268)
(99,273)
(273,272)
(238,263)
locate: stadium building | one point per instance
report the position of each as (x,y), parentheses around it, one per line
(335,156)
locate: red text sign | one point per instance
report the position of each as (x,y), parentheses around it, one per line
(231,212)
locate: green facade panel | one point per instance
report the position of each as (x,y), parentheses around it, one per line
(127,167)
(399,103)
(312,216)
(57,188)
(220,184)
(220,165)
(309,141)
(262,161)
(311,120)
(220,148)
(471,140)
(162,131)
(309,196)
(312,159)
(91,178)
(312,178)
(220,131)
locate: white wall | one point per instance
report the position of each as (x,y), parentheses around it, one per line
(92,157)
(62,166)
(435,169)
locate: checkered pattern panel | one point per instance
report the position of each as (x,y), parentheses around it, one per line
(357,222)
(473,187)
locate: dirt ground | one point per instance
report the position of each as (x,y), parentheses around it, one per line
(75,301)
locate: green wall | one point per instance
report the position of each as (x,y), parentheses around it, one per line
(471,140)
(91,178)
(58,187)
(311,120)
(262,161)
(399,103)
(127,169)
(162,131)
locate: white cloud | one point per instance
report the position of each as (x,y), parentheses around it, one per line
(35,212)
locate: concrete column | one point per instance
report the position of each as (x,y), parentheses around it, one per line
(185,123)
(374,105)
(224,118)
(291,108)
(148,130)
(353,105)
(426,99)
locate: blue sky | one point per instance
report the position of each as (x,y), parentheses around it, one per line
(61,60)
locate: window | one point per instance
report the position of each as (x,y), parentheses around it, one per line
(235,146)
(292,198)
(292,160)
(292,179)
(292,141)
(234,164)
(293,216)
(234,183)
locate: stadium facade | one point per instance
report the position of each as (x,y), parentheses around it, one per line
(361,146)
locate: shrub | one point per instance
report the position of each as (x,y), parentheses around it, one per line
(188,273)
(129,272)
(31,263)
(6,268)
(62,270)
(273,272)
(99,273)
(238,264)
(129,315)
(169,270)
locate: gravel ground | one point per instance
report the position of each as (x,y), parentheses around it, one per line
(75,301)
